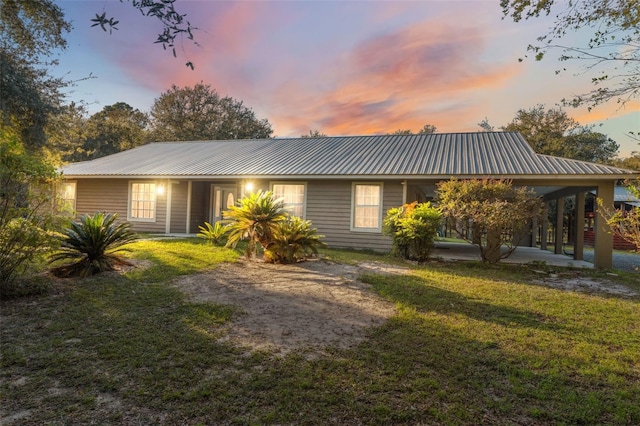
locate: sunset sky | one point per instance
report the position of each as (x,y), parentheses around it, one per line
(341,67)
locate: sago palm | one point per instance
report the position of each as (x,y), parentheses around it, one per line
(293,241)
(254,219)
(92,243)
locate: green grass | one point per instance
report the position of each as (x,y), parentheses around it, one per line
(469,345)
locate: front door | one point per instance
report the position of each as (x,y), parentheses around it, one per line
(222,197)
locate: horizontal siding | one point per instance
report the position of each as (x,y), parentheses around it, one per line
(179,193)
(111,196)
(329,209)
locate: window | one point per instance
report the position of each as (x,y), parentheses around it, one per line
(367,207)
(293,195)
(142,206)
(68,197)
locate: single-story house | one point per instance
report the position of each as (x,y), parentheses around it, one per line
(344,185)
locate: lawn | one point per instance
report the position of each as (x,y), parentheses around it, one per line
(470,345)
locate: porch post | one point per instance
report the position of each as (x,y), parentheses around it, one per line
(167,222)
(189,188)
(603,246)
(559,224)
(545,226)
(405,189)
(578,245)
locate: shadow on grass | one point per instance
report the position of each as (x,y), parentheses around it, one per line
(446,358)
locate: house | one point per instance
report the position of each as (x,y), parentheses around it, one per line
(344,185)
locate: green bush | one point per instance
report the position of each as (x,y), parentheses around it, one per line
(414,228)
(91,242)
(214,234)
(293,241)
(26,201)
(254,219)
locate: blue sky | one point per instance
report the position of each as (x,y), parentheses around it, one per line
(341,67)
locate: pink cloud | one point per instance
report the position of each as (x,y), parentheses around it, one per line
(396,81)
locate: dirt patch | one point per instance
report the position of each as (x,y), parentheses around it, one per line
(285,307)
(587,285)
(318,303)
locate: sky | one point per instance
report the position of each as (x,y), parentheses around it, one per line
(341,67)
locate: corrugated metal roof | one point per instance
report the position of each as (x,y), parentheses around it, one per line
(437,154)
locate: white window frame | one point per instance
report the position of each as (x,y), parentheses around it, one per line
(304,195)
(66,201)
(130,201)
(354,228)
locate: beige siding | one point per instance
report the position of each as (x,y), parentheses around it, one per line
(179,193)
(329,209)
(111,195)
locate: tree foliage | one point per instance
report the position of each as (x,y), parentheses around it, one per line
(199,113)
(174,25)
(413,228)
(29,32)
(426,129)
(553,132)
(614,27)
(26,203)
(625,223)
(116,128)
(491,213)
(314,134)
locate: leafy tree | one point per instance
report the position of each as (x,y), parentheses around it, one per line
(614,39)
(92,243)
(485,125)
(426,129)
(314,134)
(116,128)
(255,218)
(402,132)
(66,133)
(174,25)
(29,32)
(631,163)
(199,113)
(625,223)
(25,207)
(414,228)
(492,212)
(553,132)
(294,240)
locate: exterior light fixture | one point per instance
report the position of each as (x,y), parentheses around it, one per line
(249,186)
(160,189)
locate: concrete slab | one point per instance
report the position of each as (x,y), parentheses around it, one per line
(465,251)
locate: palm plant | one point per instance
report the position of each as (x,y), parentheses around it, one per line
(254,219)
(213,233)
(91,244)
(293,240)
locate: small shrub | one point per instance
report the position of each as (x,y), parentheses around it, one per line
(293,240)
(91,242)
(414,228)
(214,234)
(254,219)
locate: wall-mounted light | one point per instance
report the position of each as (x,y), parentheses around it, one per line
(160,189)
(249,186)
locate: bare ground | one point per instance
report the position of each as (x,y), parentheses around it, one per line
(316,304)
(284,307)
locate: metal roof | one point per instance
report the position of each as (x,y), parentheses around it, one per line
(504,154)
